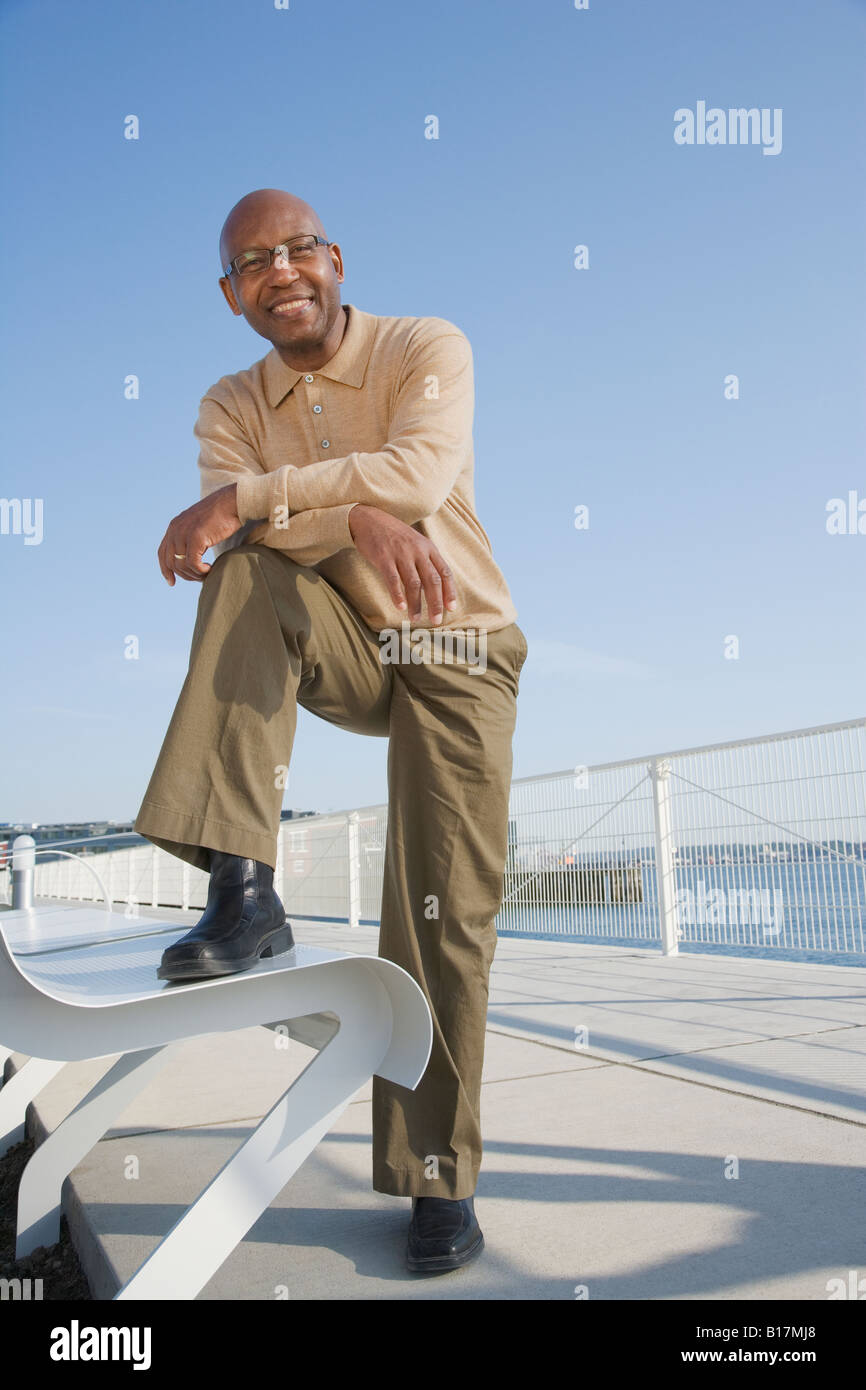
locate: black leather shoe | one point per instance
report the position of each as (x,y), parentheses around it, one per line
(243,920)
(444,1234)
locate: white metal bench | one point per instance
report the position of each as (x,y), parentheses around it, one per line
(79,983)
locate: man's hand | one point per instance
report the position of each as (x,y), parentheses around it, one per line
(407,560)
(189,535)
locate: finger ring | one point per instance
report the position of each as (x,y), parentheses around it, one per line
(180,557)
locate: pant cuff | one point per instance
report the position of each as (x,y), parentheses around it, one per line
(459,1182)
(190,837)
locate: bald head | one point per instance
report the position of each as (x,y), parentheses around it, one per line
(251,221)
(293,302)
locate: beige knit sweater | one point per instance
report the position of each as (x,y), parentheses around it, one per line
(386,422)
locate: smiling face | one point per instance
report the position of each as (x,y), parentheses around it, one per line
(294,306)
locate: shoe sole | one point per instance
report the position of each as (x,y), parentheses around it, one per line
(277,943)
(440,1264)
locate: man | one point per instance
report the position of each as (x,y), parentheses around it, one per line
(332,472)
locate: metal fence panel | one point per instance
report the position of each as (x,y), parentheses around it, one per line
(756,842)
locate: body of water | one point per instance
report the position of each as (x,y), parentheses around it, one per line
(799,911)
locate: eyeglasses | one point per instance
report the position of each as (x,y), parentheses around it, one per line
(260,258)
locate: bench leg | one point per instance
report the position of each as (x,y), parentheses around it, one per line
(196,1246)
(55,1158)
(17,1094)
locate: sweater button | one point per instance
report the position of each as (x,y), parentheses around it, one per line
(317,410)
(326,443)
(308,378)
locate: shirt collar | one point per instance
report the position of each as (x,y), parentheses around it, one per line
(348,364)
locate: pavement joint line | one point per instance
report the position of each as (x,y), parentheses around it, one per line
(532,1076)
(690,958)
(594,965)
(756,1042)
(696,1051)
(749,1095)
(619,1006)
(522,1001)
(707,1085)
(624,996)
(748,994)
(641,1065)
(538,1042)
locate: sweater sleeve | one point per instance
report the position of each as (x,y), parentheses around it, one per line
(226,455)
(429,437)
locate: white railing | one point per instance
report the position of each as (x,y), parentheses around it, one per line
(756,842)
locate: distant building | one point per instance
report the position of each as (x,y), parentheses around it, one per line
(98,836)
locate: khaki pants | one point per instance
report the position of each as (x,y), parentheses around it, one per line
(271,634)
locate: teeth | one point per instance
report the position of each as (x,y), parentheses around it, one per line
(290,306)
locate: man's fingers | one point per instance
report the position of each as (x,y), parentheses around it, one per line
(392,578)
(410,565)
(164,563)
(193,567)
(188,566)
(432,589)
(449,591)
(192,532)
(407,566)
(429,575)
(190,569)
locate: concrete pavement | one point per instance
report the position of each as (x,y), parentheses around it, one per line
(682,1128)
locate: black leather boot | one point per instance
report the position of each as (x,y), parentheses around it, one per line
(444,1234)
(243,920)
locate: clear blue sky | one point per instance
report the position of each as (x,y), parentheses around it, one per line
(603,386)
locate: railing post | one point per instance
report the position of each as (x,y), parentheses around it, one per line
(23,864)
(354,857)
(666,887)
